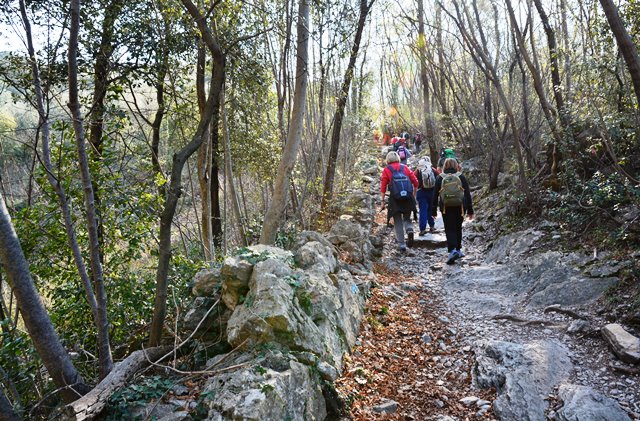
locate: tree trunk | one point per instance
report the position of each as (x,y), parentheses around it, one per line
(162,63)
(274,215)
(538,84)
(90,405)
(430,132)
(34,314)
(101,71)
(175,185)
(203,157)
(104,348)
(489,69)
(625,44)
(6,409)
(555,64)
(63,201)
(229,167)
(341,102)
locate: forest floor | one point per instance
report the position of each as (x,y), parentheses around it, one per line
(415,357)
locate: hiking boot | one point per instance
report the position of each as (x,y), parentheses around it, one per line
(423,232)
(432,229)
(460,253)
(410,239)
(452,257)
(402,248)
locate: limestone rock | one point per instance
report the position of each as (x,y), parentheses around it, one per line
(388,406)
(215,323)
(316,256)
(584,403)
(327,371)
(516,244)
(236,270)
(523,375)
(287,392)
(622,343)
(269,313)
(308,311)
(206,282)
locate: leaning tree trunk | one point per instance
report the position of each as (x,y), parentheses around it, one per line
(6,409)
(538,83)
(104,348)
(275,213)
(625,44)
(327,192)
(175,185)
(34,314)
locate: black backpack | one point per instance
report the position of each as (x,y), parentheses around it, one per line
(401,187)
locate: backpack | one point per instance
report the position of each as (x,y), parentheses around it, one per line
(451,192)
(401,187)
(428,177)
(402,152)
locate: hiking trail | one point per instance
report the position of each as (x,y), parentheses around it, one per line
(507,332)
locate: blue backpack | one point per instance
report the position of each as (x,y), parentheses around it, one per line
(401,187)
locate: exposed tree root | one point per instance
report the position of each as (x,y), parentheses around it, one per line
(527,322)
(565,311)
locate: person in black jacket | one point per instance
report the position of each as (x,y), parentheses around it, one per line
(453,216)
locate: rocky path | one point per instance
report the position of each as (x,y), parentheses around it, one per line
(505,333)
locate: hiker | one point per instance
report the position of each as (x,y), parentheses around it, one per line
(402,184)
(426,175)
(418,142)
(444,154)
(454,199)
(403,151)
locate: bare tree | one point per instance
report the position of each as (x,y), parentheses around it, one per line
(104,348)
(179,160)
(274,215)
(341,103)
(488,68)
(427,116)
(44,124)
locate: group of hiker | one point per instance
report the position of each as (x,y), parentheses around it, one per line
(443,187)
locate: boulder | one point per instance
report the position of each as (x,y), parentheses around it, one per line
(215,323)
(523,375)
(206,282)
(269,313)
(317,256)
(257,391)
(584,403)
(306,311)
(352,240)
(237,270)
(622,343)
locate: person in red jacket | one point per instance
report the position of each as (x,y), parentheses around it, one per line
(402,184)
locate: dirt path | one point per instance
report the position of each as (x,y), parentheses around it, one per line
(425,324)
(411,361)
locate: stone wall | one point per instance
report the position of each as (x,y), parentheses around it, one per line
(289,316)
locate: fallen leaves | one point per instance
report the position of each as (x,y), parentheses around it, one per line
(394,360)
